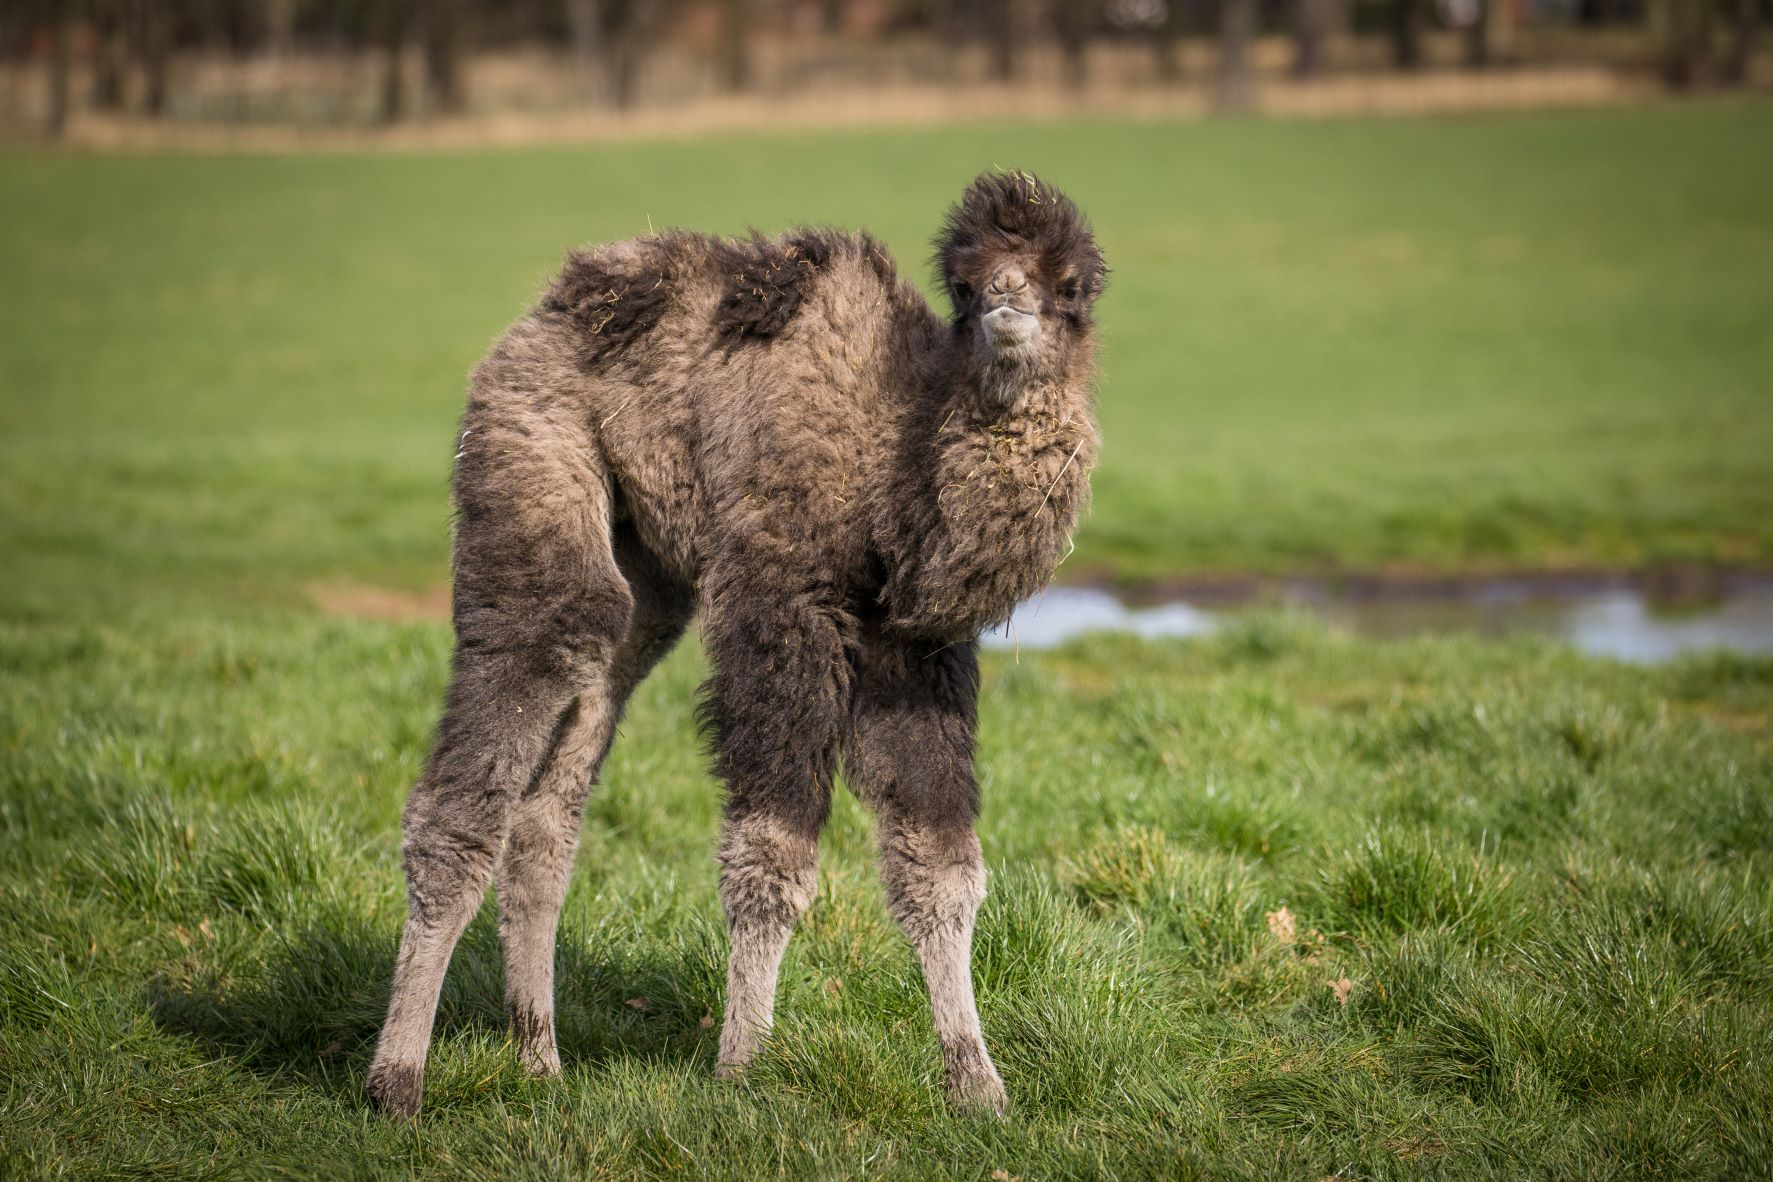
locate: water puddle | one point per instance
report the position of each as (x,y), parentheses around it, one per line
(1624,618)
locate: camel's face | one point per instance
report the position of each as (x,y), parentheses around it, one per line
(1023,271)
(1027,315)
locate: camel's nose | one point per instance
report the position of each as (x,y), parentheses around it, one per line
(1008,281)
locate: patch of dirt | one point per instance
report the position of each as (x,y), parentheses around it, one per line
(382,603)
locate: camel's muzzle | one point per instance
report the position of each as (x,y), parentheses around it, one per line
(1009,328)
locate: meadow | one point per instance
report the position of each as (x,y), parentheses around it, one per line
(1441,344)
(1274,903)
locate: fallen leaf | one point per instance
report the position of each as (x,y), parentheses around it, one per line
(833,986)
(706,1020)
(1002,1175)
(639,1003)
(1340,987)
(1281,925)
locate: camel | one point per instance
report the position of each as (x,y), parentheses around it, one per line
(779,437)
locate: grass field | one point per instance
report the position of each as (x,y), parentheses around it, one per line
(1543,883)
(1509,342)
(1278,903)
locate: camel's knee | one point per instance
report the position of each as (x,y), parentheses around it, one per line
(446,878)
(934,877)
(769,870)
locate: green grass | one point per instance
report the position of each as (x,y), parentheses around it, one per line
(1545,881)
(1274,904)
(1510,342)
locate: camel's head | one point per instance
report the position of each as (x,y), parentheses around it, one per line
(1023,271)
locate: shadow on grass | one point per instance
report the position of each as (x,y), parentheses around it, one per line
(312,1004)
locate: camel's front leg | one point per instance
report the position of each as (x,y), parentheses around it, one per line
(909,754)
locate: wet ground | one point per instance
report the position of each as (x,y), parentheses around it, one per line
(1643,619)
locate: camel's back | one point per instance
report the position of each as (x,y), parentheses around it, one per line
(738,388)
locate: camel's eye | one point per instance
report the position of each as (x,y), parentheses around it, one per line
(1068,290)
(963,291)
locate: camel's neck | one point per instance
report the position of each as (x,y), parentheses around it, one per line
(989,480)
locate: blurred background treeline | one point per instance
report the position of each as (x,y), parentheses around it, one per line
(109,69)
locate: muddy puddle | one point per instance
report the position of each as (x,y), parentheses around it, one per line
(1646,619)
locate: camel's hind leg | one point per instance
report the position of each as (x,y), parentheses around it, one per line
(775,703)
(540,611)
(537,861)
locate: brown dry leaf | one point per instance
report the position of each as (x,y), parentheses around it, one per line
(706,1020)
(184,937)
(833,986)
(1340,987)
(1281,925)
(639,1003)
(1003,1175)
(208,932)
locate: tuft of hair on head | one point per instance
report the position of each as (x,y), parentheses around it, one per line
(1013,214)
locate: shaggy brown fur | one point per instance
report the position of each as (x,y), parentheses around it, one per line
(779,434)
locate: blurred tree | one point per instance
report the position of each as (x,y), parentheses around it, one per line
(1000,31)
(610,38)
(1493,34)
(59,29)
(1742,46)
(279,23)
(735,44)
(443,54)
(585,24)
(1237,24)
(1477,34)
(1313,21)
(154,31)
(1686,27)
(1166,37)
(1074,21)
(390,38)
(1406,33)
(108,54)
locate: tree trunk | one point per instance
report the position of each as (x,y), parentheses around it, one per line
(1406,34)
(1237,24)
(1742,46)
(107,55)
(735,45)
(1498,22)
(443,55)
(1166,38)
(391,35)
(1001,30)
(61,52)
(1686,58)
(584,20)
(280,16)
(156,49)
(1311,28)
(1073,21)
(1477,36)
(624,41)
